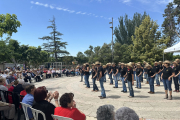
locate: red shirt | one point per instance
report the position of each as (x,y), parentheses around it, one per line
(10,95)
(23,93)
(73,113)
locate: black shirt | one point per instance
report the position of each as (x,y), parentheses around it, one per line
(167,72)
(46,107)
(100,69)
(156,68)
(138,71)
(160,67)
(18,88)
(151,72)
(104,70)
(94,72)
(86,73)
(109,69)
(119,68)
(176,70)
(114,69)
(129,74)
(123,71)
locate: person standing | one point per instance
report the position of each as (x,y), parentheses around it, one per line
(100,74)
(110,70)
(94,77)
(86,71)
(134,70)
(138,76)
(167,75)
(130,79)
(119,69)
(104,68)
(175,78)
(81,72)
(115,72)
(157,70)
(123,73)
(160,67)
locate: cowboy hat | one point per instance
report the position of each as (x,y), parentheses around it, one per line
(129,65)
(122,64)
(97,63)
(138,65)
(167,61)
(175,63)
(155,62)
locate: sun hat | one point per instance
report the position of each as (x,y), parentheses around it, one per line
(97,63)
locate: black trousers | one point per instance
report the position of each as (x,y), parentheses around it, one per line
(38,78)
(27,78)
(176,84)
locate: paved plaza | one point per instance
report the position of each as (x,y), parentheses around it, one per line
(149,106)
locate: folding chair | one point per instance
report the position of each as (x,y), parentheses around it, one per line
(36,113)
(55,117)
(25,107)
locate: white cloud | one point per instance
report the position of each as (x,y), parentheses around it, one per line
(163,1)
(83,13)
(65,9)
(37,3)
(126,1)
(71,11)
(32,2)
(58,8)
(78,12)
(46,5)
(89,13)
(52,7)
(101,16)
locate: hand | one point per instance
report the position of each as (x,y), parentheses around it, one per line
(74,104)
(132,82)
(56,95)
(161,78)
(48,95)
(169,78)
(151,76)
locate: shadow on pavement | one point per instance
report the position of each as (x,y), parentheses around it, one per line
(141,96)
(113,96)
(160,93)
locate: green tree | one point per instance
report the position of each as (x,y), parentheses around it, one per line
(8,24)
(105,54)
(126,28)
(81,58)
(147,41)
(54,45)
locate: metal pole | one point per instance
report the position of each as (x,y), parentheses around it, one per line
(112,39)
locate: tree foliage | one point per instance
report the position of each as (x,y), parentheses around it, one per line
(54,45)
(8,24)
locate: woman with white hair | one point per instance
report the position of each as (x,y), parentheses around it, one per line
(126,113)
(105,112)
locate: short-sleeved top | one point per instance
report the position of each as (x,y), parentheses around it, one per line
(123,71)
(119,68)
(114,69)
(73,113)
(129,74)
(86,73)
(94,72)
(160,67)
(138,71)
(104,70)
(156,68)
(99,70)
(176,70)
(109,69)
(46,107)
(167,72)
(151,72)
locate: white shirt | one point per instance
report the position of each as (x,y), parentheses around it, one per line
(57,71)
(4,75)
(53,71)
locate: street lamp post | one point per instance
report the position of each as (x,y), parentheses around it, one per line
(112,37)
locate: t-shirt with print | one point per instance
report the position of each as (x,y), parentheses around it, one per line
(167,72)
(129,74)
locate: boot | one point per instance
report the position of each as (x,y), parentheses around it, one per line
(166,97)
(170,97)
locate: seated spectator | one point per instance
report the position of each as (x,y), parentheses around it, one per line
(24,93)
(49,73)
(41,96)
(26,76)
(106,112)
(126,113)
(11,90)
(29,99)
(11,78)
(68,108)
(2,84)
(9,110)
(18,88)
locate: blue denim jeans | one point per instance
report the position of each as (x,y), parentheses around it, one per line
(124,84)
(176,84)
(131,92)
(87,80)
(94,84)
(101,81)
(134,72)
(147,78)
(167,84)
(151,84)
(110,77)
(138,81)
(116,81)
(179,78)
(105,77)
(118,76)
(84,79)
(160,75)
(157,79)
(81,77)
(141,78)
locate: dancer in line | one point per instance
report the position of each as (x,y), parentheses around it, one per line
(86,72)
(110,70)
(94,77)
(138,76)
(100,75)
(167,75)
(175,78)
(151,76)
(115,72)
(123,73)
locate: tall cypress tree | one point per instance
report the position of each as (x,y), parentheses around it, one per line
(54,45)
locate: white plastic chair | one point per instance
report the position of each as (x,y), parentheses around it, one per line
(36,113)
(55,117)
(25,107)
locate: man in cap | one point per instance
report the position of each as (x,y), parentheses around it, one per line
(100,77)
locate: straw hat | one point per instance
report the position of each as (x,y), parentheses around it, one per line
(138,65)
(176,60)
(160,61)
(119,62)
(113,63)
(148,66)
(87,63)
(167,61)
(129,65)
(155,62)
(93,64)
(97,63)
(122,64)
(175,63)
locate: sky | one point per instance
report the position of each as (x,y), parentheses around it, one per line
(82,22)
